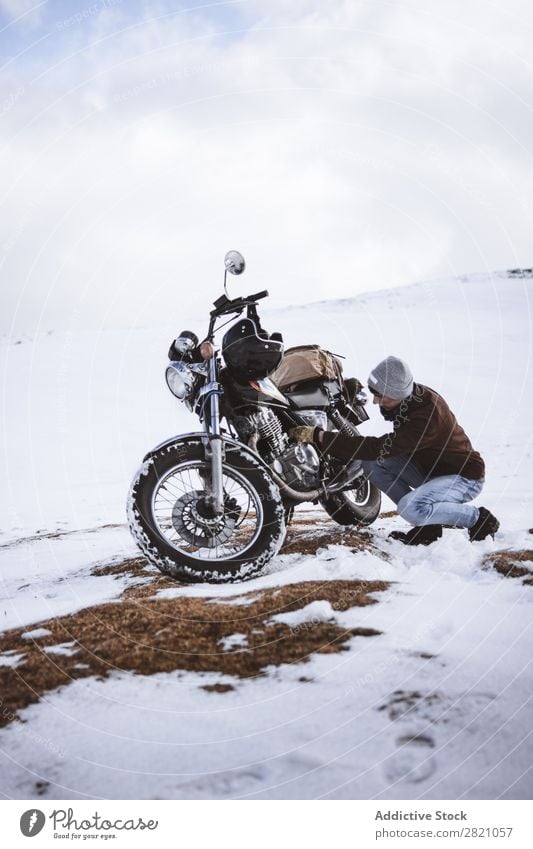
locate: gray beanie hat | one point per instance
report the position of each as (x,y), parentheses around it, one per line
(391,377)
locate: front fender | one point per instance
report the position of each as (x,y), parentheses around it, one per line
(183,437)
(202,436)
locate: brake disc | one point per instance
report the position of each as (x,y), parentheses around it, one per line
(200,530)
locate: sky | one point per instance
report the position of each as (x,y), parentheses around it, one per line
(343,147)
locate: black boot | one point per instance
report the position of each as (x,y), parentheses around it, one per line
(486,525)
(424,535)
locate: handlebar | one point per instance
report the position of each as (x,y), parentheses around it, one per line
(224,305)
(258,295)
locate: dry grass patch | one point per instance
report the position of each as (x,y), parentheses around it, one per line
(512,564)
(137,567)
(304,539)
(304,536)
(146,635)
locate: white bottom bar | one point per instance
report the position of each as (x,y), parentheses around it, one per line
(269,824)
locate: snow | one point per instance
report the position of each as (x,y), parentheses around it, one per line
(233,642)
(276,738)
(11,658)
(48,577)
(61,648)
(437,706)
(317,611)
(35,634)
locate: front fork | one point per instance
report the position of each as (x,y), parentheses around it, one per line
(214,446)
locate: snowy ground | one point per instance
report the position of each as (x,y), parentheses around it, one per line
(436,706)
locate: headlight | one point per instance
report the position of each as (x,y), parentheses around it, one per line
(180,380)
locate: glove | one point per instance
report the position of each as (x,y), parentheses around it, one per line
(303,433)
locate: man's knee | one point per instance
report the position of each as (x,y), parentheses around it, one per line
(415,510)
(404,508)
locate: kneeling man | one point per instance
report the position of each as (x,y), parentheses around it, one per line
(427,465)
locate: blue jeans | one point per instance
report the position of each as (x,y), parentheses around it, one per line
(438,501)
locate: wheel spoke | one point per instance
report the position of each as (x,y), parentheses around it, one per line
(174,509)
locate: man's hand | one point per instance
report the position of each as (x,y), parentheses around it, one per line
(303,433)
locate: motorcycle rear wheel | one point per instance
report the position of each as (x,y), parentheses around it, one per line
(358,506)
(169,521)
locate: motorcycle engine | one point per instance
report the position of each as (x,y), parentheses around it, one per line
(298,465)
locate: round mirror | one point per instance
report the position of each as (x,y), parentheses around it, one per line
(234,262)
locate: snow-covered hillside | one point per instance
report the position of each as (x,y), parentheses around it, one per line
(435,705)
(80,411)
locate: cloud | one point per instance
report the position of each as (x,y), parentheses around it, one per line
(27,13)
(342,147)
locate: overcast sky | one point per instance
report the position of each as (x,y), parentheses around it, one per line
(342,146)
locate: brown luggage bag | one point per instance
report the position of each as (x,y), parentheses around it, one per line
(304,363)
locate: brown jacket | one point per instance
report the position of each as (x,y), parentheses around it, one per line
(425,429)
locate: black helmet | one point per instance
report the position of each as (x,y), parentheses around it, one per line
(249,352)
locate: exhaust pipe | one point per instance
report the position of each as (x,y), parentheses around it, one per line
(293,494)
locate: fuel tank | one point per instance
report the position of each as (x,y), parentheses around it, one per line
(254,393)
(311,395)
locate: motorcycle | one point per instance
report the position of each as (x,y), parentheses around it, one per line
(215,505)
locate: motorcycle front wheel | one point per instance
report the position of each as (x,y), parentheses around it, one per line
(358,506)
(171,522)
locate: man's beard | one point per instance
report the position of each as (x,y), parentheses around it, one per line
(389,415)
